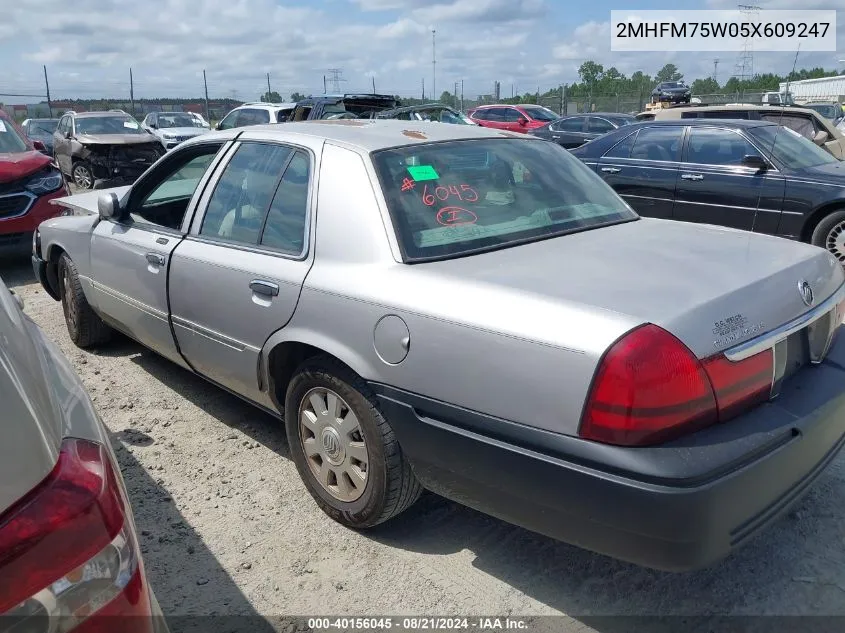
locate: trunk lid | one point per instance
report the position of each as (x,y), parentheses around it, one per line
(31,423)
(710,286)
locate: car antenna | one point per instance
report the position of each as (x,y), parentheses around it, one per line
(777,131)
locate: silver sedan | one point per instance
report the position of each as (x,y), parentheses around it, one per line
(477,313)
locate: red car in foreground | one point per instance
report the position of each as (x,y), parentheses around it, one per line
(28,181)
(514,118)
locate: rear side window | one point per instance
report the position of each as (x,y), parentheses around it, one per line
(239,204)
(575,124)
(252,116)
(600,126)
(658,143)
(286,221)
(714,146)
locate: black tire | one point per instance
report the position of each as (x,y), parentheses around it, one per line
(81,173)
(85,327)
(391,486)
(823,229)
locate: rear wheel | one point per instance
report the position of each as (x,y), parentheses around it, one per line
(830,234)
(344,449)
(84,326)
(82,175)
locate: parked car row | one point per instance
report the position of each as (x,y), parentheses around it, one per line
(410,340)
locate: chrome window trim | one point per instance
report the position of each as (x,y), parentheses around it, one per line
(769,339)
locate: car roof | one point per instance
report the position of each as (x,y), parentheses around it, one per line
(89,115)
(369,135)
(737,123)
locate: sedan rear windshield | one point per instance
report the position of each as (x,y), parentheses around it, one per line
(457,197)
(10,140)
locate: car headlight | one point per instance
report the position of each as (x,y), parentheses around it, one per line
(45,181)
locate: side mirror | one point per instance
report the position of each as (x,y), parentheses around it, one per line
(219,126)
(820,138)
(39,146)
(108,206)
(68,134)
(152,125)
(523,121)
(755,161)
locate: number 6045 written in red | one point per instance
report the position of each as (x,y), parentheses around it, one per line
(465,193)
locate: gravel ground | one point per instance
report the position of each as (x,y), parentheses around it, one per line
(228,528)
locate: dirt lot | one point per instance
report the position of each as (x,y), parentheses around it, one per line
(227,527)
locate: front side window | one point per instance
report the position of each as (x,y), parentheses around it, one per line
(512,115)
(228,121)
(252,116)
(714,146)
(573,124)
(239,204)
(790,148)
(623,148)
(456,197)
(111,124)
(658,143)
(167,201)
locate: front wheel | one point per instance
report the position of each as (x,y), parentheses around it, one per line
(830,234)
(82,175)
(84,326)
(345,451)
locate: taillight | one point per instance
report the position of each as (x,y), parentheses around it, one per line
(650,388)
(68,553)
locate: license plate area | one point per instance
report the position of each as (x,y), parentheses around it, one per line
(807,346)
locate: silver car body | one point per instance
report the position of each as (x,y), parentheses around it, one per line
(44,402)
(514,334)
(455,310)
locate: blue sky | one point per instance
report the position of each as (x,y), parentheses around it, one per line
(89,45)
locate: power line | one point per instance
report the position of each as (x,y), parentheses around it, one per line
(744,67)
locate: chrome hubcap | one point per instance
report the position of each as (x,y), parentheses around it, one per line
(835,242)
(333,444)
(82,177)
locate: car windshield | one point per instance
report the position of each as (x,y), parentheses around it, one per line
(789,148)
(117,124)
(827,110)
(176,120)
(452,198)
(539,113)
(10,140)
(43,126)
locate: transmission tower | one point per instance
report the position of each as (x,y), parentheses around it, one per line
(744,67)
(335,78)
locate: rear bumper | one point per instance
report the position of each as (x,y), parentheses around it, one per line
(16,232)
(676,507)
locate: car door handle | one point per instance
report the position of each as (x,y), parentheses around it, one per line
(611,170)
(155,259)
(692,176)
(261,287)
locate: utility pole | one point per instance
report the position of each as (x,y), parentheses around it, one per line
(561,112)
(455,96)
(716,70)
(423,88)
(433,68)
(207,112)
(374,83)
(462,95)
(268,87)
(131,92)
(324,85)
(47,84)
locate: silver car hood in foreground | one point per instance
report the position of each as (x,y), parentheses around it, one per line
(180,131)
(687,278)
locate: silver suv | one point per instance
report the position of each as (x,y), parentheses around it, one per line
(256,114)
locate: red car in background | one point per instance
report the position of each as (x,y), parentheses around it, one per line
(515,118)
(28,181)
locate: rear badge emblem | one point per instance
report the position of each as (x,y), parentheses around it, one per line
(806,292)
